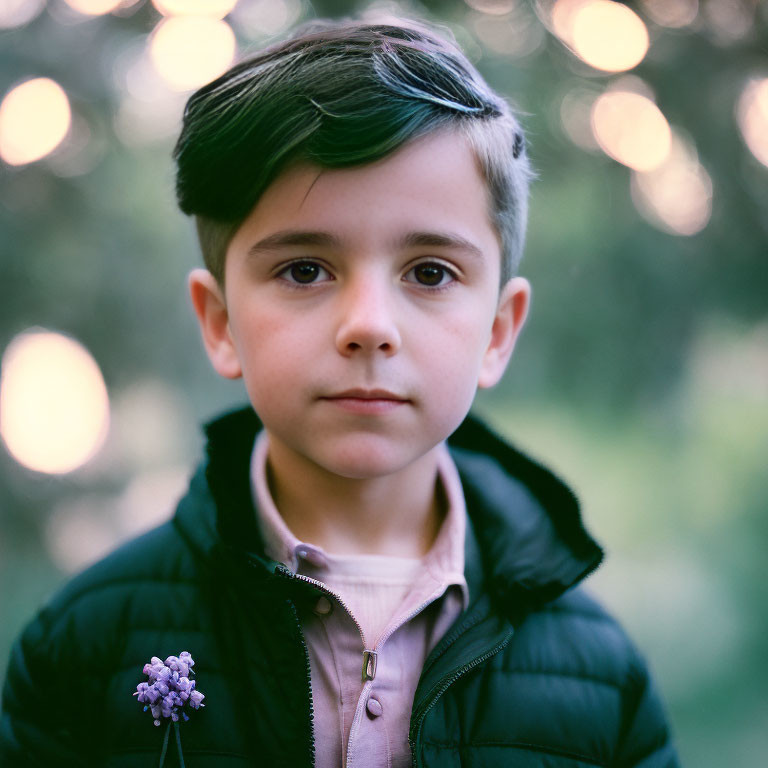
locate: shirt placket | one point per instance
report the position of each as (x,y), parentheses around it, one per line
(367,745)
(374,738)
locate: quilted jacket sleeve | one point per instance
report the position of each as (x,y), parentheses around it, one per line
(41,706)
(646,741)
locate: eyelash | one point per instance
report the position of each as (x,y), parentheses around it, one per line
(295,284)
(442,286)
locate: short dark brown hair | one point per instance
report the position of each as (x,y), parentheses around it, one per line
(335,94)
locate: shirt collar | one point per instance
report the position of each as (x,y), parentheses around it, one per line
(444,560)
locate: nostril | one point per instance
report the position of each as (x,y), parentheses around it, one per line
(366,334)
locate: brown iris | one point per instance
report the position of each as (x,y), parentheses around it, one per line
(429,274)
(304,272)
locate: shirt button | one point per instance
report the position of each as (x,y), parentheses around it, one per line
(374,707)
(323,606)
(312,556)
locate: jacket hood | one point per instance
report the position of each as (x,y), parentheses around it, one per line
(525,538)
(526,521)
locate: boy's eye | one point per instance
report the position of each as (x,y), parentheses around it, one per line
(303,272)
(430,274)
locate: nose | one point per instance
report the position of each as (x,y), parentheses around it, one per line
(368,321)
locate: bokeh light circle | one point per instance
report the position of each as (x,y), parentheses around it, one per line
(267,17)
(631,129)
(216,9)
(676,197)
(34,119)
(190,51)
(672,13)
(609,36)
(93,7)
(16,13)
(54,407)
(752,116)
(493,7)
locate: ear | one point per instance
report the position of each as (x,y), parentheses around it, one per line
(510,316)
(211,310)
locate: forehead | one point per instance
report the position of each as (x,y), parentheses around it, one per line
(432,183)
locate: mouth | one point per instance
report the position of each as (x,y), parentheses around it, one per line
(367,401)
(366,394)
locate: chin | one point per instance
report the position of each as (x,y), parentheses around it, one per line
(363,468)
(364,461)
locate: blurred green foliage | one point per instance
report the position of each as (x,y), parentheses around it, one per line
(642,375)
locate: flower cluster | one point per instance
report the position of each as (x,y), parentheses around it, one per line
(169,688)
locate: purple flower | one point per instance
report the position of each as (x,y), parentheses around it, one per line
(167,706)
(196,699)
(179,664)
(164,674)
(169,688)
(141,692)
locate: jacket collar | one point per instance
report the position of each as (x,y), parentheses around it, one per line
(525,541)
(526,521)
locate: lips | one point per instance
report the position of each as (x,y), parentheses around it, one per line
(367,401)
(366,394)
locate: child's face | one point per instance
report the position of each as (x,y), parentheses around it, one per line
(362,308)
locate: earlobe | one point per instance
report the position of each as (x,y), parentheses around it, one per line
(509,320)
(212,315)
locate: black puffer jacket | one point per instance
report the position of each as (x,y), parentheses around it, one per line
(533,674)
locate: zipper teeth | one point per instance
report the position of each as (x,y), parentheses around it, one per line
(410,616)
(442,687)
(309,679)
(323,588)
(448,640)
(437,693)
(383,638)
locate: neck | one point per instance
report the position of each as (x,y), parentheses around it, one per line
(395,515)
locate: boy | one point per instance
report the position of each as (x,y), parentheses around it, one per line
(362,574)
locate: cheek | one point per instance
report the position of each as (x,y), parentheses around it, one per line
(458,343)
(272,351)
(452,356)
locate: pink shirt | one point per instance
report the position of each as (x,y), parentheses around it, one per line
(369,638)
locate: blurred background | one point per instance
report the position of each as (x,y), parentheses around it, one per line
(642,377)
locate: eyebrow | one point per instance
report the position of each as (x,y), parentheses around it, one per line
(296,237)
(292,237)
(440,240)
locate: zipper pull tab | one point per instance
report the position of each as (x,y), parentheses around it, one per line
(369,665)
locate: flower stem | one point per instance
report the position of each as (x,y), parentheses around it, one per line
(178,744)
(165,745)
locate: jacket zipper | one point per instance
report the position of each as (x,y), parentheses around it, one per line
(285,572)
(291,575)
(319,584)
(309,676)
(379,643)
(436,692)
(442,687)
(307,667)
(308,672)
